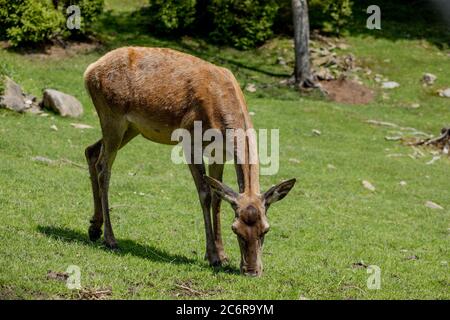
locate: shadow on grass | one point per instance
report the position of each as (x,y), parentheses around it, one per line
(406,19)
(126,246)
(132,28)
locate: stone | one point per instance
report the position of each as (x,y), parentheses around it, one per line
(390,85)
(251,87)
(281,61)
(81,126)
(62,103)
(12,97)
(433,205)
(429,79)
(444,93)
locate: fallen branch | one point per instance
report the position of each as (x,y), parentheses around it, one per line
(443,141)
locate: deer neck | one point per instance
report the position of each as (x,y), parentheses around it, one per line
(246,160)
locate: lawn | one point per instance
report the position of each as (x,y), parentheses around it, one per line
(322,235)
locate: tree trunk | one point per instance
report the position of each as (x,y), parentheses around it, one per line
(302,71)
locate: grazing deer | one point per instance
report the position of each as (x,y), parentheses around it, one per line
(152,92)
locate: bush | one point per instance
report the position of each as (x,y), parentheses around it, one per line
(168,16)
(28,21)
(242,23)
(330,16)
(25,22)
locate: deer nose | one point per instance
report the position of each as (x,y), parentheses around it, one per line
(252,273)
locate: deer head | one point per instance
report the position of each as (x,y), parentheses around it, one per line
(250,223)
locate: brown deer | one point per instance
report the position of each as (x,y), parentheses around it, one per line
(152,92)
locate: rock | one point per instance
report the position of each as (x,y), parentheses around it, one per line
(390,85)
(81,126)
(368,185)
(429,79)
(251,87)
(13,97)
(43,159)
(342,46)
(62,103)
(432,205)
(324,74)
(444,93)
(316,132)
(281,61)
(54,127)
(403,183)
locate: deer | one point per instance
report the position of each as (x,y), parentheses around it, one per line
(154,91)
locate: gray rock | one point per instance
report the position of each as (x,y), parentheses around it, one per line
(13,97)
(429,79)
(390,85)
(62,103)
(445,93)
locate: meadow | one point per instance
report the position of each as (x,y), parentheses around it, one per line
(323,235)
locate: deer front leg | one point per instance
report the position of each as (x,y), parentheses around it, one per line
(216,172)
(204,193)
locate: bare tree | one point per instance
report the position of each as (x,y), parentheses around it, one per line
(302,71)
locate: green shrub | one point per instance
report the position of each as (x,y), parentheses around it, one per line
(25,22)
(168,16)
(330,16)
(242,23)
(28,21)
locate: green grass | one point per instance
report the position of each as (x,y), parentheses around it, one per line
(327,223)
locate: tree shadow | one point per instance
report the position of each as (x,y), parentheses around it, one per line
(405,19)
(132,28)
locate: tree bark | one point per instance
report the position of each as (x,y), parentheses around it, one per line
(302,71)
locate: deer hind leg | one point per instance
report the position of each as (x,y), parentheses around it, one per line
(92,154)
(216,172)
(116,134)
(204,194)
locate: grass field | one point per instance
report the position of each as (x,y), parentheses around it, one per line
(326,226)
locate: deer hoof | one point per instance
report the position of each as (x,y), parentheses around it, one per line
(216,261)
(94,233)
(111,244)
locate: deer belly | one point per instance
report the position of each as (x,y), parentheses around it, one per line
(154,130)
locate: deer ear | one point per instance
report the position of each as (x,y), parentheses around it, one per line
(222,190)
(278,192)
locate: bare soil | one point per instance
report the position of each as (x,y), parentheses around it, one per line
(55,50)
(347,91)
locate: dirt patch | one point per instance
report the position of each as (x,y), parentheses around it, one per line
(55,275)
(347,91)
(56,50)
(92,294)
